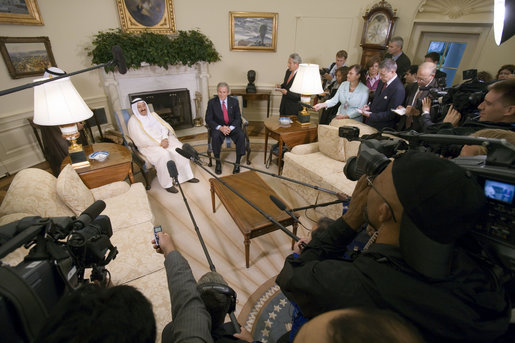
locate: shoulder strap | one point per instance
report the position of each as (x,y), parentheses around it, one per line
(28,305)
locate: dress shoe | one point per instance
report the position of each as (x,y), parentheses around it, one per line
(236,169)
(172,190)
(218,168)
(194,180)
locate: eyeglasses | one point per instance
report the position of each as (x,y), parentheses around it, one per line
(370,181)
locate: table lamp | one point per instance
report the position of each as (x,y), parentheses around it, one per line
(307,82)
(59,103)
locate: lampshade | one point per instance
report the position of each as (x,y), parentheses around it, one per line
(307,81)
(59,103)
(504,20)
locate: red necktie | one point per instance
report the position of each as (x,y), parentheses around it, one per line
(290,77)
(226,114)
(385,85)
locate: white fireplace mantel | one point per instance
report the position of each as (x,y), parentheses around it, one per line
(153,78)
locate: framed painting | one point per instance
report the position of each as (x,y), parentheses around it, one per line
(253,31)
(24,12)
(26,56)
(147,16)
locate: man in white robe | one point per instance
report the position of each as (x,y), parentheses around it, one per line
(156,139)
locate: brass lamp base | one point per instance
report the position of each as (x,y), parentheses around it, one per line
(77,156)
(304,117)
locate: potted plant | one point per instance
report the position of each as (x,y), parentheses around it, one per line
(186,47)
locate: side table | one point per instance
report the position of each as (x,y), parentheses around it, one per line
(291,135)
(116,167)
(260,95)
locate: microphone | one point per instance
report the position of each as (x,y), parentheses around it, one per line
(172,170)
(282,207)
(89,214)
(185,154)
(191,151)
(118,59)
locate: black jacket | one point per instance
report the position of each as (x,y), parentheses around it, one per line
(465,307)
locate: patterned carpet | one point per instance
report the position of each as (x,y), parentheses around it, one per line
(267,314)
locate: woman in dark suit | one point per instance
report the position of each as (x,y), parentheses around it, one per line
(290,102)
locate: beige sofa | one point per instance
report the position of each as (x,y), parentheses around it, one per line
(321,164)
(34,192)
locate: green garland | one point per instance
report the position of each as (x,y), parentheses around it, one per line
(187,48)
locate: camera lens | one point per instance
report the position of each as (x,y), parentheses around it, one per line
(351,169)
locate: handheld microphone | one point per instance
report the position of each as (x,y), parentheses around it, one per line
(172,170)
(282,206)
(118,59)
(89,214)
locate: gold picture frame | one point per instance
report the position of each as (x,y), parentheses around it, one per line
(26,13)
(26,56)
(157,17)
(253,31)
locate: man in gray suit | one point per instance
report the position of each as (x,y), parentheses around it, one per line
(395,52)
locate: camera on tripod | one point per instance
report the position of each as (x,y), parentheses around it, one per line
(61,249)
(494,172)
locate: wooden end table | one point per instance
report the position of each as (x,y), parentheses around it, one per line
(116,167)
(291,135)
(259,95)
(250,222)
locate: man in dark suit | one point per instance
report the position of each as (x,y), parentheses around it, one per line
(223,117)
(415,93)
(389,95)
(395,52)
(290,102)
(440,76)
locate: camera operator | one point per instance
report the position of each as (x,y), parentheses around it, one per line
(191,319)
(416,267)
(497,111)
(415,119)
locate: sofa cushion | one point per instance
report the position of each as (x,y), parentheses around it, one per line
(352,148)
(73,191)
(33,191)
(330,144)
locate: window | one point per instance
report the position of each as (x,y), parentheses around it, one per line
(450,57)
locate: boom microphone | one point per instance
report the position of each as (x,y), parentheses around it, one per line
(172,169)
(191,151)
(185,154)
(89,214)
(118,59)
(282,206)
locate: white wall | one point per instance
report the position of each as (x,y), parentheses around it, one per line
(316,30)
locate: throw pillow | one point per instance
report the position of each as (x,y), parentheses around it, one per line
(33,191)
(72,191)
(330,144)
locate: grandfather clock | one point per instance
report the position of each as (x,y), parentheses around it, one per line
(377,30)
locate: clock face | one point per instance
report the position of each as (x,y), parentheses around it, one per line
(377,30)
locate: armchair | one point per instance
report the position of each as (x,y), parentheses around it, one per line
(122,118)
(228,142)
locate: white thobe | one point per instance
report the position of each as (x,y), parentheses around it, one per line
(149,144)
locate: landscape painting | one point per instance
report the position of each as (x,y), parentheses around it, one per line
(253,31)
(26,56)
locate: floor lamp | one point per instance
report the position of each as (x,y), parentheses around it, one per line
(307,82)
(59,103)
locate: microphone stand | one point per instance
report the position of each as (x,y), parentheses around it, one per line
(277,176)
(267,216)
(234,321)
(318,205)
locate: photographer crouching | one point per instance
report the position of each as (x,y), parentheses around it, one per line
(422,207)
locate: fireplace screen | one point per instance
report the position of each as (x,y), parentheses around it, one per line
(173,105)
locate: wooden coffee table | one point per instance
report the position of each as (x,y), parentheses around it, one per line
(116,167)
(291,135)
(250,222)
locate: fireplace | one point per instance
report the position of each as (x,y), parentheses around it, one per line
(173,105)
(178,110)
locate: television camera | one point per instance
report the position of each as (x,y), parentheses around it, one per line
(61,249)
(464,97)
(494,172)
